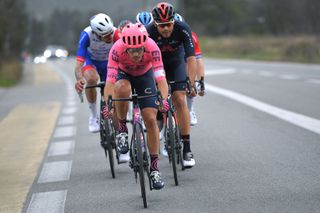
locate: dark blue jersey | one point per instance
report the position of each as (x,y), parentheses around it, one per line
(178,45)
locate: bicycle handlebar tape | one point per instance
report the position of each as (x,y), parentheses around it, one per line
(189,85)
(109,102)
(202,83)
(80,96)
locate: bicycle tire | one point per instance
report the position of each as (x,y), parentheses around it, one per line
(138,133)
(172,144)
(109,132)
(179,146)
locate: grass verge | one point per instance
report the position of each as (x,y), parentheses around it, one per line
(302,49)
(10,73)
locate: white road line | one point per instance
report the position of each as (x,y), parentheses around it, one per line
(61,148)
(49,202)
(266,74)
(300,120)
(289,77)
(55,171)
(69,110)
(314,81)
(246,71)
(220,71)
(65,120)
(71,103)
(66,131)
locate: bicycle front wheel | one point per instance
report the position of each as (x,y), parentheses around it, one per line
(110,139)
(172,139)
(139,143)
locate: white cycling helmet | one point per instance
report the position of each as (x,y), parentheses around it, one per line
(101,24)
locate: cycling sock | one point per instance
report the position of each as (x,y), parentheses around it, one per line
(93,109)
(186,143)
(154,163)
(123,125)
(190,103)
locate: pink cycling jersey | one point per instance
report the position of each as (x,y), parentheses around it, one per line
(119,59)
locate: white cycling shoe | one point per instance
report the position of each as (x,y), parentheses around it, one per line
(188,160)
(193,118)
(124,158)
(94,125)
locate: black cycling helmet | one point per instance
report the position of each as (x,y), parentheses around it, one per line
(163,12)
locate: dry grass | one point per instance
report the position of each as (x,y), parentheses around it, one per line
(304,49)
(10,73)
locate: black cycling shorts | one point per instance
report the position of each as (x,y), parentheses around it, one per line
(144,85)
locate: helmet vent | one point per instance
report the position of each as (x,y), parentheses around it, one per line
(134,40)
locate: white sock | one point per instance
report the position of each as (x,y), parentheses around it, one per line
(93,109)
(190,103)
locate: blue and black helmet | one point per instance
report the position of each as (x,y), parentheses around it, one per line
(178,17)
(144,18)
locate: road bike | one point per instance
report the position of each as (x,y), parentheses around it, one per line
(139,154)
(173,143)
(107,131)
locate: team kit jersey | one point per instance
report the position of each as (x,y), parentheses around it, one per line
(94,52)
(197,50)
(174,49)
(142,75)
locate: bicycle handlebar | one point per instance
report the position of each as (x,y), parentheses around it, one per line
(135,97)
(100,84)
(186,81)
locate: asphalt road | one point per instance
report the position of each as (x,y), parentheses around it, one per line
(256,145)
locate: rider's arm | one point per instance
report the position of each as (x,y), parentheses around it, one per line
(158,69)
(83,44)
(197,51)
(200,68)
(192,68)
(190,53)
(78,71)
(113,66)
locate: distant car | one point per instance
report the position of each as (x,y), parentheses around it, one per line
(39,59)
(55,51)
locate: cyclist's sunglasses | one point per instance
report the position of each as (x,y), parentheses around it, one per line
(164,24)
(135,50)
(106,35)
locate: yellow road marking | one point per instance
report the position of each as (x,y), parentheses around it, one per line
(24,136)
(44,75)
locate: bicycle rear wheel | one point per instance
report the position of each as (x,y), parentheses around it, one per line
(139,142)
(172,145)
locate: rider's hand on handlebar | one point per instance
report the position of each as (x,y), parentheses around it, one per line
(79,86)
(200,87)
(165,105)
(193,91)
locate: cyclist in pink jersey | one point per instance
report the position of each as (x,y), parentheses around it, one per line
(135,62)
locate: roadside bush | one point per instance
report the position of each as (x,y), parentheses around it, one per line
(10,73)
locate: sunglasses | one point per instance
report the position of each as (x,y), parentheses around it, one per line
(164,24)
(135,50)
(106,35)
